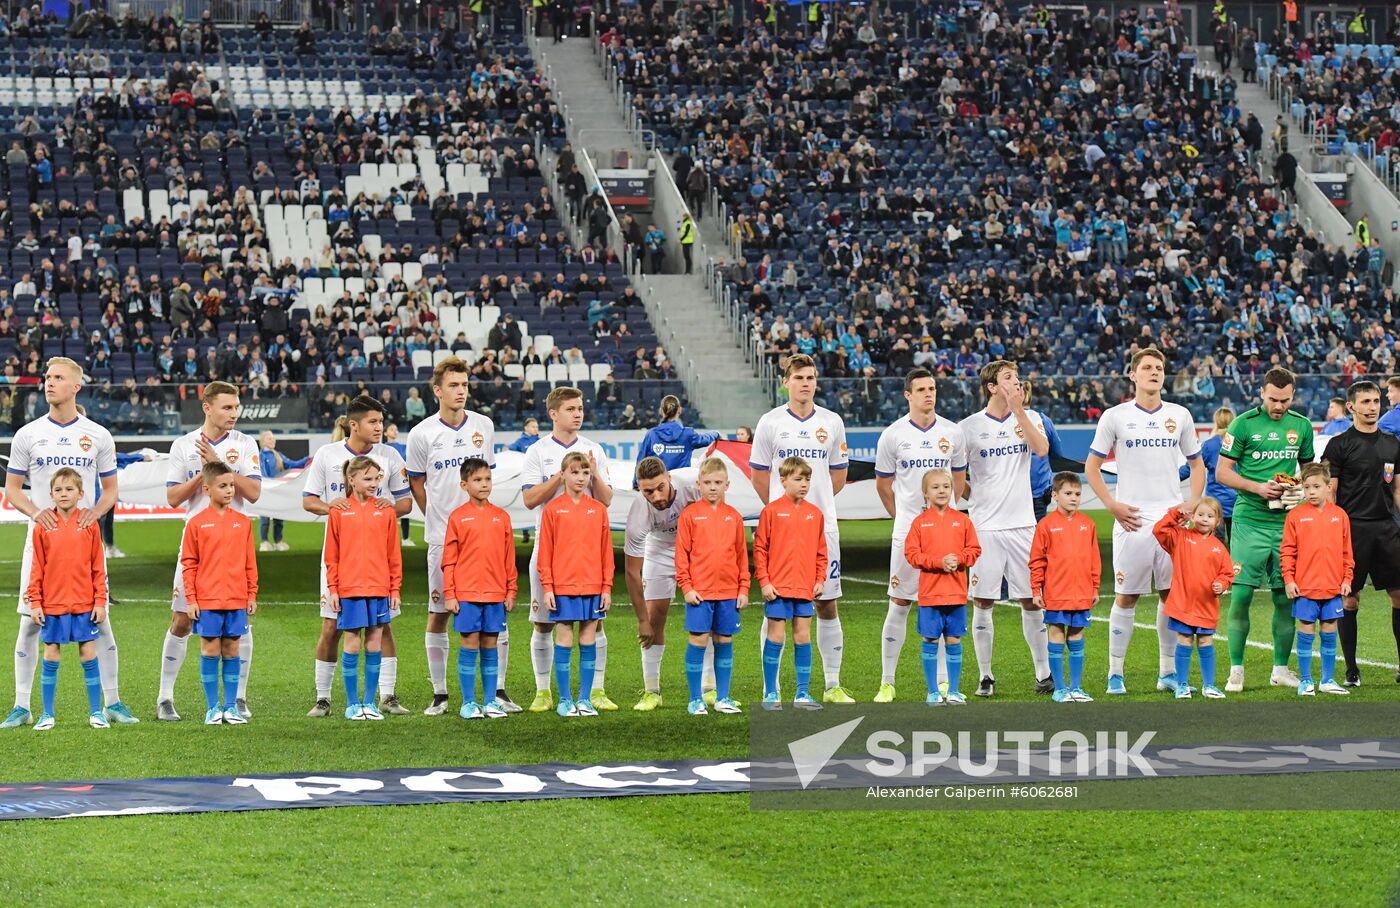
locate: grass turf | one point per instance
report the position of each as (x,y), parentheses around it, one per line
(629,850)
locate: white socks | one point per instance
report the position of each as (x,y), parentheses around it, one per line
(1120,634)
(436,645)
(541,658)
(245,659)
(830,642)
(502,658)
(982,636)
(892,641)
(1166,640)
(600,640)
(107,661)
(651,666)
(1033,629)
(389,676)
(325,677)
(172,656)
(707,674)
(27,647)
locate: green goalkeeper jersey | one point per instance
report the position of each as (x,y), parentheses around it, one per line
(1262,447)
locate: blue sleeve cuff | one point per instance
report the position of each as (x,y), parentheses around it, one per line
(760,466)
(523,486)
(882,474)
(16,472)
(959,469)
(1098,454)
(838,466)
(1196,456)
(401,493)
(414,473)
(168,483)
(106,474)
(309,495)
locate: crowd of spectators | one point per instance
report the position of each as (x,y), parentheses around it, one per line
(1054,188)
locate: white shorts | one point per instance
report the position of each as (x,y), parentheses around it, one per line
(1006,555)
(904,577)
(659,587)
(1140,564)
(177,598)
(436,605)
(832,589)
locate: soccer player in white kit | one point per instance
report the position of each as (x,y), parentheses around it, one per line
(1001,439)
(649,549)
(437,447)
(818,436)
(909,448)
(213,442)
(324,491)
(1147,437)
(63,437)
(540,483)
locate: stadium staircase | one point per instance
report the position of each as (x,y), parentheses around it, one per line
(718,380)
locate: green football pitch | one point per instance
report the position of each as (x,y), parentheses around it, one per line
(704,849)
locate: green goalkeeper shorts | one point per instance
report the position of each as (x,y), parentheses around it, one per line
(1255,551)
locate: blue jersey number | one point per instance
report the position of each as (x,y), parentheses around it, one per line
(835,570)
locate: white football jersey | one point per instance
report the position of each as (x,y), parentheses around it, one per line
(907,451)
(1147,446)
(651,534)
(43,447)
(820,439)
(237,450)
(999,470)
(325,475)
(436,451)
(542,463)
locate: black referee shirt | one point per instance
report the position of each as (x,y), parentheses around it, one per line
(1363,463)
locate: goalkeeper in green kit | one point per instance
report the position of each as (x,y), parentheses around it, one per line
(1259,457)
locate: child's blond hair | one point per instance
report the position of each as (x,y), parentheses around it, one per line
(794,466)
(933,474)
(1213,503)
(66,473)
(713,465)
(575,457)
(358,464)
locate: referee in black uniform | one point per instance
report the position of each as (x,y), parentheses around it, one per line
(1363,461)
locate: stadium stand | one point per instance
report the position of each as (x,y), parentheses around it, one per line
(1055,188)
(303,213)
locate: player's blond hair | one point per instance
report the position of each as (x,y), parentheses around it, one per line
(794,466)
(575,458)
(1146,353)
(216,389)
(1223,417)
(358,464)
(713,465)
(67,473)
(66,363)
(559,396)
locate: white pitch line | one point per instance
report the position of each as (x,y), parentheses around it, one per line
(1317,656)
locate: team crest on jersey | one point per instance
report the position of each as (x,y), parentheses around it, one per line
(1170,426)
(1228,441)
(894,582)
(85,443)
(231,456)
(1020,433)
(822,436)
(1292,436)
(1388,471)
(437,596)
(944,445)
(1118,576)
(478,439)
(1237,569)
